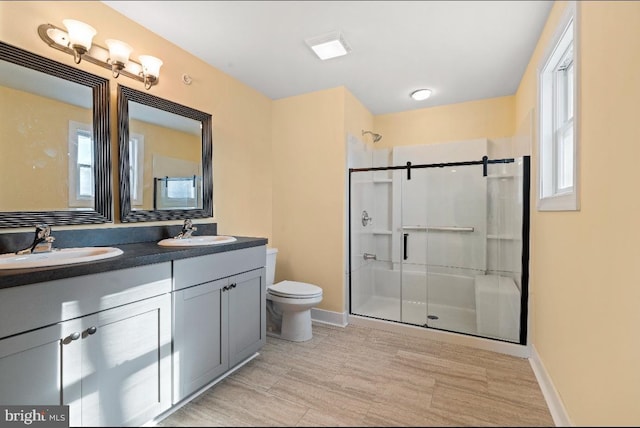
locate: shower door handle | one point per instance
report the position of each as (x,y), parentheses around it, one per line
(406,240)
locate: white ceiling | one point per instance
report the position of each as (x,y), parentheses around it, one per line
(462,50)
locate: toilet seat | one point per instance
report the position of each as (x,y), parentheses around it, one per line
(294,290)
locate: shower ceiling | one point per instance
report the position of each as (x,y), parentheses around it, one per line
(462,50)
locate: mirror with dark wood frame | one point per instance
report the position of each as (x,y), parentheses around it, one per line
(165,159)
(55,164)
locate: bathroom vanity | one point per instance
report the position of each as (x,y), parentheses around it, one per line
(122,340)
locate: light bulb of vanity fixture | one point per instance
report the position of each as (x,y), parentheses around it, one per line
(118,55)
(150,69)
(80,37)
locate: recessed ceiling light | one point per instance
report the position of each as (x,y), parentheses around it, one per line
(330,45)
(421,94)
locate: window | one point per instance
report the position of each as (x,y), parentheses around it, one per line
(136,168)
(557,107)
(178,192)
(81,165)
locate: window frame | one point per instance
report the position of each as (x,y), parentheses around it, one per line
(76,200)
(136,168)
(551,196)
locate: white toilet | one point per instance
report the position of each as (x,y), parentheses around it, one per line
(289,304)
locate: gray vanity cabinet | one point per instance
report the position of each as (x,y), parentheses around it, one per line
(108,356)
(199,337)
(30,367)
(118,372)
(218,323)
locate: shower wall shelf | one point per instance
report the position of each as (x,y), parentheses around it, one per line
(382,180)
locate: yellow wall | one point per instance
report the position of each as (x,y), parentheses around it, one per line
(489,118)
(34,150)
(308,181)
(309,205)
(241,115)
(583,264)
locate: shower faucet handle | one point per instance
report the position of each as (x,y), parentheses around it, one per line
(365,218)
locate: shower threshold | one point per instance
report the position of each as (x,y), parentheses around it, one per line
(415,313)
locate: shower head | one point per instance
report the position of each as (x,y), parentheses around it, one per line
(376,137)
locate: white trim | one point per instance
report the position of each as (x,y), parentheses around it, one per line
(569,201)
(550,393)
(512,349)
(329,317)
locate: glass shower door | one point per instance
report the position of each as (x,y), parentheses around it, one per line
(414,245)
(444,215)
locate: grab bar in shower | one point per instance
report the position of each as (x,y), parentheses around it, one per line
(439,228)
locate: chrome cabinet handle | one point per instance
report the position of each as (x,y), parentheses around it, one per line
(73,336)
(92,330)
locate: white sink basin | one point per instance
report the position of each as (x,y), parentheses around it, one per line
(196,241)
(63,256)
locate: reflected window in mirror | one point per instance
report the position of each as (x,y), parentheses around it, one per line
(136,168)
(55,163)
(81,171)
(169,176)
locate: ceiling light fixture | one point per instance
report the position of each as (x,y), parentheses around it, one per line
(421,94)
(330,45)
(77,41)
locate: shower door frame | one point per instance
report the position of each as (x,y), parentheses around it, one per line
(526,194)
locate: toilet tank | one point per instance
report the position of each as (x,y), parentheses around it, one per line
(271,265)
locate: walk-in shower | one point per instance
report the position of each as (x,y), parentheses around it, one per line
(442,245)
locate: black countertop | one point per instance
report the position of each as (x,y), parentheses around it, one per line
(134,254)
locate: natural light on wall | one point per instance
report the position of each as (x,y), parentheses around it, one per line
(558,108)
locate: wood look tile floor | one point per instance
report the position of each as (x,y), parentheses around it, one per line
(359,376)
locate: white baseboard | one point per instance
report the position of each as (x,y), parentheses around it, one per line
(329,317)
(549,391)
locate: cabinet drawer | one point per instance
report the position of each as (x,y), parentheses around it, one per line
(198,270)
(32,306)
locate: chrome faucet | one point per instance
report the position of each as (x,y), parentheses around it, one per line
(42,242)
(187,229)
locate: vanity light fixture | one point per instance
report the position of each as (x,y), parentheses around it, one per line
(80,37)
(77,41)
(330,45)
(118,54)
(421,94)
(150,69)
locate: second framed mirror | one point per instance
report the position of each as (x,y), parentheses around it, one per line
(165,159)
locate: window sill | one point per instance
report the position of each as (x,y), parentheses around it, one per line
(565,202)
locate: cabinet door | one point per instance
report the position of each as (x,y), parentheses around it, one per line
(124,364)
(247,316)
(200,337)
(30,366)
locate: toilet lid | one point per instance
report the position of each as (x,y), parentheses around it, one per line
(295,289)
